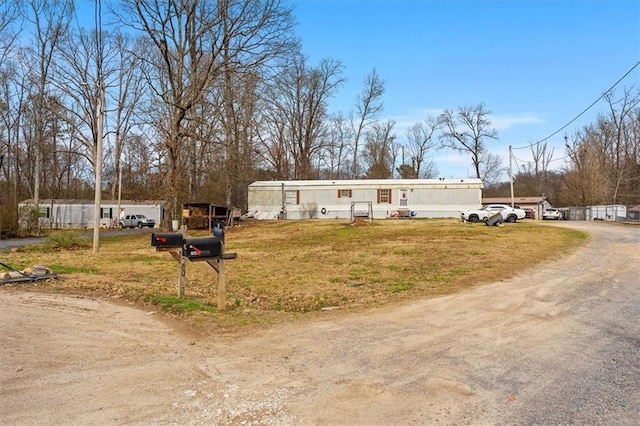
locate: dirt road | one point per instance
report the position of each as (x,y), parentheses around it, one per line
(558,344)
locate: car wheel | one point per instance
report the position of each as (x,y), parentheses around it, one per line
(473,218)
(140,225)
(511,218)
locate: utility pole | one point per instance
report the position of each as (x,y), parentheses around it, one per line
(119,192)
(98,170)
(1,161)
(511,175)
(97,211)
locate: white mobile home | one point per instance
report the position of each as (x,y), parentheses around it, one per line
(67,213)
(331,199)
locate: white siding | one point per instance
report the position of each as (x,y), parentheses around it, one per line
(427,198)
(65,214)
(614,212)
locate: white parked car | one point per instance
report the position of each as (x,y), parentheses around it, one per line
(139,220)
(553,214)
(509,214)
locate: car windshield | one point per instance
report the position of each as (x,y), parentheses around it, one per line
(551,210)
(141,216)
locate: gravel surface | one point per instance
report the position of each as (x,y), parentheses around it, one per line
(559,344)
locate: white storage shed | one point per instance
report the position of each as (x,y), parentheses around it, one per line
(333,199)
(614,212)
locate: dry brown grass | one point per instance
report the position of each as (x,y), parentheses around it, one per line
(293,267)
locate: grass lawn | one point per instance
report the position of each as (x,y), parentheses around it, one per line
(286,269)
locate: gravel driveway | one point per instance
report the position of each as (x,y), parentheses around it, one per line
(559,344)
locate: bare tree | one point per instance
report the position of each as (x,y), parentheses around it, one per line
(368,106)
(542,156)
(336,163)
(604,156)
(50,20)
(466,131)
(127,94)
(535,178)
(13,96)
(83,72)
(378,152)
(585,180)
(257,33)
(275,152)
(198,45)
(299,103)
(143,175)
(618,143)
(491,168)
(420,138)
(182,66)
(8,34)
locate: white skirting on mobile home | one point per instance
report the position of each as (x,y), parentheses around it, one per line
(327,199)
(71,213)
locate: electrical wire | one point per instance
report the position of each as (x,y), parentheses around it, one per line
(583,111)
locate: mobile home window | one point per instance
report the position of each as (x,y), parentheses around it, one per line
(44,212)
(344,193)
(105,213)
(384,196)
(292,197)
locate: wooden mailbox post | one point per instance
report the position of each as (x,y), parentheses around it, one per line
(207,249)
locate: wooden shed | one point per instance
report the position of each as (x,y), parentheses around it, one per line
(203,215)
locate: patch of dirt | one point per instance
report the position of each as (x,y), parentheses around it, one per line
(470,358)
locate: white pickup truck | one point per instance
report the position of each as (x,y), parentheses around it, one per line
(139,220)
(509,214)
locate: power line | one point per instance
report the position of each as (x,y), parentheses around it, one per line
(583,111)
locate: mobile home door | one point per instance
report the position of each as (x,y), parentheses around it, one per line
(403,198)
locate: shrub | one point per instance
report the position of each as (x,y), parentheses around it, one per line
(68,240)
(309,210)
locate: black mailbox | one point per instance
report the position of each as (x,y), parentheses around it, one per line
(202,248)
(173,240)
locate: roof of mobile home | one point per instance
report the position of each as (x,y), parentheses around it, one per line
(366,182)
(79,201)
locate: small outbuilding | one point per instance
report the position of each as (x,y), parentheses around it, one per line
(334,199)
(610,212)
(78,214)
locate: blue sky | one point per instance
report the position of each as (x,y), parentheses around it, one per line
(535,65)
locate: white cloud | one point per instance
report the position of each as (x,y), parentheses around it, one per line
(405,121)
(507,121)
(499,122)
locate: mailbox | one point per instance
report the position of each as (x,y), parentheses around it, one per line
(202,248)
(218,230)
(173,240)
